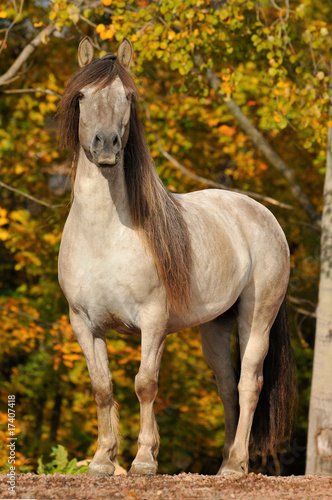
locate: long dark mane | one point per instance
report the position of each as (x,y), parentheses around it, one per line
(154,212)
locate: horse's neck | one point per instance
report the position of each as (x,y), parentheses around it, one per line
(100,194)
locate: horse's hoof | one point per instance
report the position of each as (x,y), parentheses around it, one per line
(231,469)
(231,472)
(101,470)
(143,469)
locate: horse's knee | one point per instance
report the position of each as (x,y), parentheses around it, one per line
(103,393)
(146,385)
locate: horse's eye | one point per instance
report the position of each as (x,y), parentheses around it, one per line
(80,96)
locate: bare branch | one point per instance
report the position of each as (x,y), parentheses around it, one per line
(25,54)
(30,91)
(276,6)
(301,302)
(287,11)
(209,182)
(304,312)
(32,198)
(261,144)
(88,21)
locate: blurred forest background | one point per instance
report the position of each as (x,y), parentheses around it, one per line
(202,67)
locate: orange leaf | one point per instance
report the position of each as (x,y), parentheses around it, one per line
(226,130)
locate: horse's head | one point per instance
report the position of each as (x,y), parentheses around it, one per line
(96,105)
(105,112)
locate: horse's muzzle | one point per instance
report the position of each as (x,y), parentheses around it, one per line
(105,149)
(104,161)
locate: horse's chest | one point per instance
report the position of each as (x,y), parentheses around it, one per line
(107,281)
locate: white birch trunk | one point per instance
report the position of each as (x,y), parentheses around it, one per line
(319,448)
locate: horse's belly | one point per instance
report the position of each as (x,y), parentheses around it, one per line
(211,299)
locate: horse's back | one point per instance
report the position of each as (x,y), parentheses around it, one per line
(233,219)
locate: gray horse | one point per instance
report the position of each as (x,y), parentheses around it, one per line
(137,259)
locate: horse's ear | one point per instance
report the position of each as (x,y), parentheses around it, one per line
(85,52)
(125,53)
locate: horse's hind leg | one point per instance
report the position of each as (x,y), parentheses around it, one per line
(257,312)
(95,351)
(216,348)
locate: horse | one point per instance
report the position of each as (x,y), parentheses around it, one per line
(137,259)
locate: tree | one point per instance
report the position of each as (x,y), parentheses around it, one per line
(319,452)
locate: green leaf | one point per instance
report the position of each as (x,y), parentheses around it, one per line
(61,457)
(41,467)
(71,467)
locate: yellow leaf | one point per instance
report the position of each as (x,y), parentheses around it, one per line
(4,235)
(51,98)
(18,215)
(3,14)
(100,28)
(107,35)
(227,88)
(3,217)
(51,238)
(134,38)
(107,2)
(19,169)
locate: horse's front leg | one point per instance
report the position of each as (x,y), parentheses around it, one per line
(95,351)
(146,387)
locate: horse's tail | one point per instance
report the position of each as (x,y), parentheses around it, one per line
(274,414)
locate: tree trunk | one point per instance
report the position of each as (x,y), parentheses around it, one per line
(319,448)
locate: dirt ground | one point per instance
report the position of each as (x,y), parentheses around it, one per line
(162,487)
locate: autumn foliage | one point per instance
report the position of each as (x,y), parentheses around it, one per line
(273,60)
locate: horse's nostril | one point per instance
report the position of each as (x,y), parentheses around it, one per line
(115,140)
(98,142)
